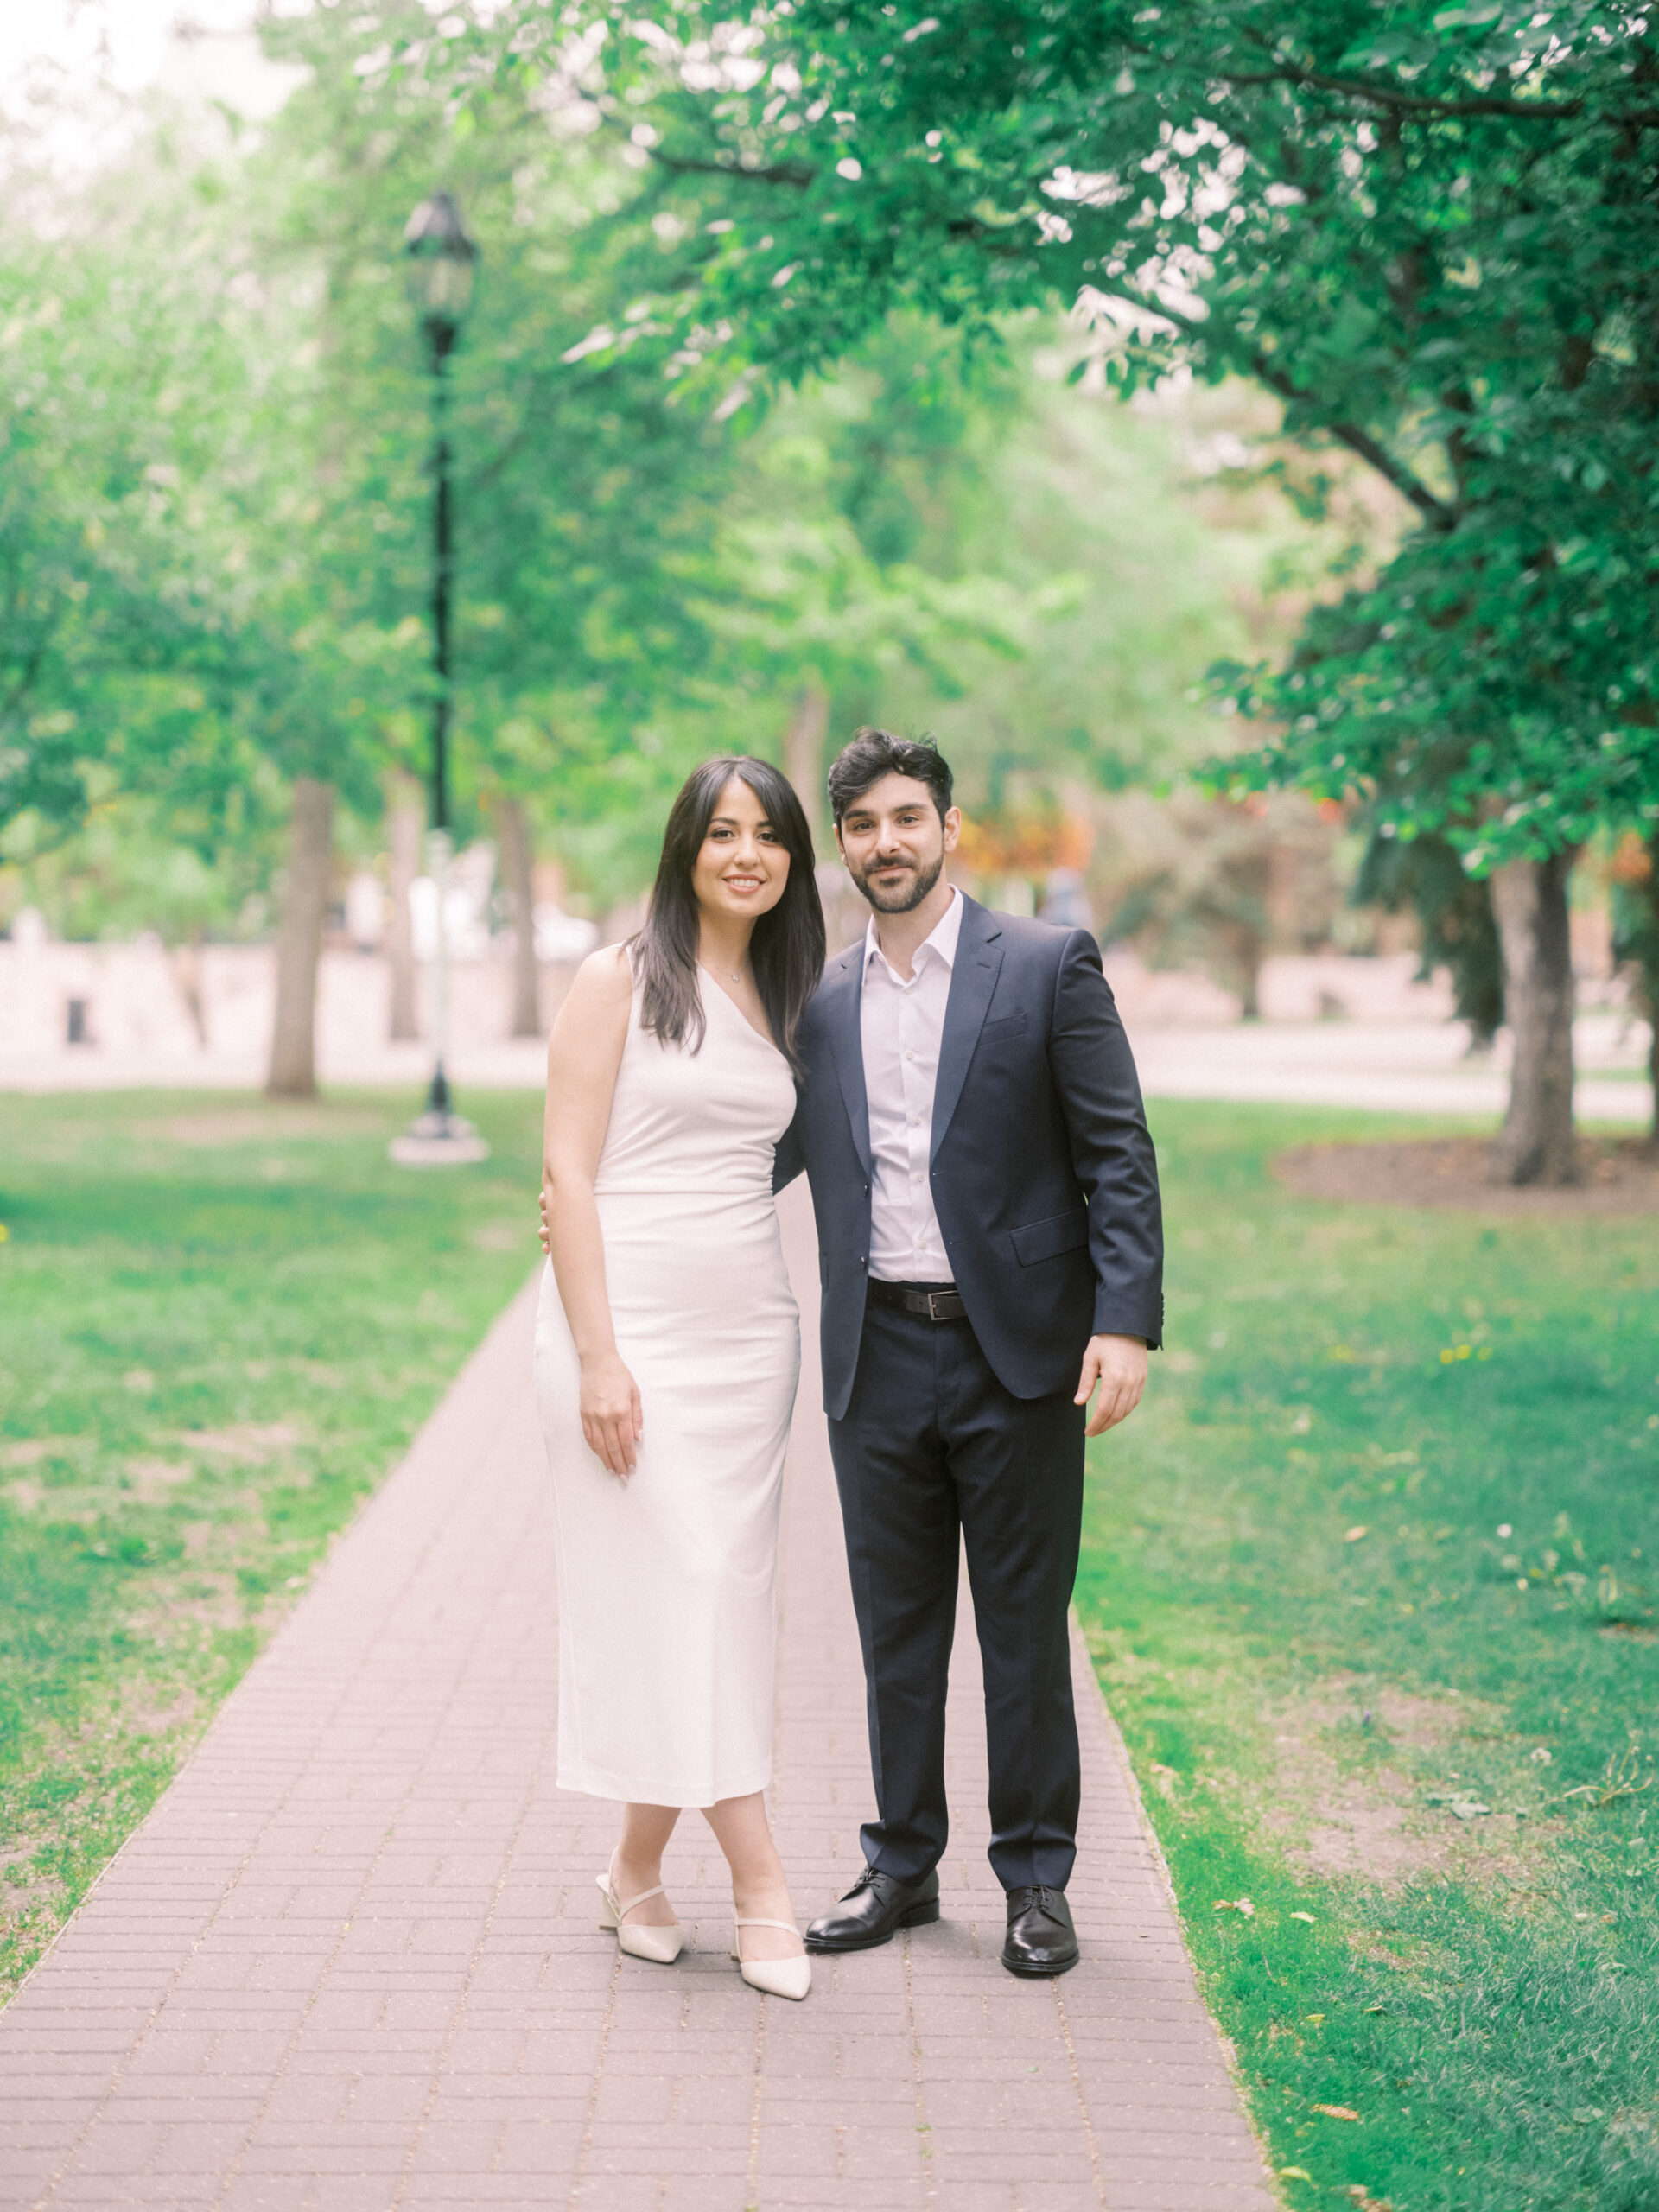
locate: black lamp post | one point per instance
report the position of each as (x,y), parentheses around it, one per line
(439,260)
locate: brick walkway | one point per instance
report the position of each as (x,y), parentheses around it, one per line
(350,1965)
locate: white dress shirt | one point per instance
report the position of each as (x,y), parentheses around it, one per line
(900,1026)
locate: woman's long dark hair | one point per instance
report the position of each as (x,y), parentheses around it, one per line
(786,949)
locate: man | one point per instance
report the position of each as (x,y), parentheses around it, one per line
(991,1256)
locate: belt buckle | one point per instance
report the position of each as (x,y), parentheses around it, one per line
(933,1312)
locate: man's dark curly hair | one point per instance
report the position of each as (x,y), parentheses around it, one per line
(874,753)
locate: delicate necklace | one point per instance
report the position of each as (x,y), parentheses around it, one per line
(736,974)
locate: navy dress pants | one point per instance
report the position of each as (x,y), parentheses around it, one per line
(933,1454)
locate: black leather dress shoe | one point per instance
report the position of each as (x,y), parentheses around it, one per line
(1041,1940)
(874,1909)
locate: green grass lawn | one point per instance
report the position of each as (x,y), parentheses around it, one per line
(219,1323)
(1371,1584)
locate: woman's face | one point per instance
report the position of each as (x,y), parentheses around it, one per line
(743,864)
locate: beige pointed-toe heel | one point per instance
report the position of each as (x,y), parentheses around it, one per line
(661,1945)
(791,1977)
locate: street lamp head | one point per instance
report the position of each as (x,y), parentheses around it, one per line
(439,263)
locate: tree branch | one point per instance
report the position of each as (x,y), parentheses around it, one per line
(791,172)
(1428,504)
(1433,103)
(1357,441)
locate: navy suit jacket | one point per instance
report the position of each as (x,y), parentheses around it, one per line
(1045,1181)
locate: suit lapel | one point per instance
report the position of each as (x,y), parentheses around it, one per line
(843,1022)
(973,978)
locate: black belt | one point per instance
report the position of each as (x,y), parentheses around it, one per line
(936,1305)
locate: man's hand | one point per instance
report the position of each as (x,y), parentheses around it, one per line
(1118,1365)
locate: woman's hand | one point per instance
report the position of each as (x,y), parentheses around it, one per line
(612,1420)
(546,1233)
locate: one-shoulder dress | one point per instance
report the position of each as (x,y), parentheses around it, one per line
(666,1582)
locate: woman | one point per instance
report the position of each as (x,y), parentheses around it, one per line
(667,1350)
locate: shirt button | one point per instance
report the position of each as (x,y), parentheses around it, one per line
(910,1056)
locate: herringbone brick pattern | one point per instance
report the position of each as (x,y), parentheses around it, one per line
(349,1962)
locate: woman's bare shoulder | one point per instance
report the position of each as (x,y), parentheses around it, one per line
(605,977)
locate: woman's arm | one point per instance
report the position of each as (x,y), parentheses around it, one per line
(583,1055)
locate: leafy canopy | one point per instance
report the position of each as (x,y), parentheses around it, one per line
(1431,232)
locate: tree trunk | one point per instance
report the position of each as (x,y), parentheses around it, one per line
(186,973)
(405,819)
(809,725)
(517,866)
(1537,1142)
(299,941)
(1650,962)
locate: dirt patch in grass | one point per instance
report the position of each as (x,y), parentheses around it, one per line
(234,1125)
(1343,1809)
(1617,1175)
(33,1449)
(250,1444)
(500,1235)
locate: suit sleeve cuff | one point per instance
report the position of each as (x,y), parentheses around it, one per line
(1115,1318)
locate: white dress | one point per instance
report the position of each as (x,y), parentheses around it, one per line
(667,1619)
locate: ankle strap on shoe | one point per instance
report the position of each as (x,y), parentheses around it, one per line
(617,1907)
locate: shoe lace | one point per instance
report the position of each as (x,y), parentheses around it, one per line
(1040,1894)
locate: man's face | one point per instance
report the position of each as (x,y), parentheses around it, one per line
(894,843)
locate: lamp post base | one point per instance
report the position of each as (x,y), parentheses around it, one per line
(438,1138)
(438,1141)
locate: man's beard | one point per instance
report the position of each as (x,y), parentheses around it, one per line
(903,898)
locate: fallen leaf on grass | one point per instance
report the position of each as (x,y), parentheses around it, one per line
(1461,1806)
(1354,1535)
(1308,1916)
(1364,2201)
(1336,2112)
(1295,2173)
(1235,1904)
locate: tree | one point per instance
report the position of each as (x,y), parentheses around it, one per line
(299,941)
(1636,938)
(113,601)
(1431,232)
(164,637)
(518,867)
(1455,925)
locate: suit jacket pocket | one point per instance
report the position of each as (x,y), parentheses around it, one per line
(1046,1240)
